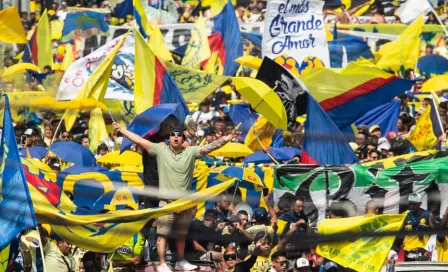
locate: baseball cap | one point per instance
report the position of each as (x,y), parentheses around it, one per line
(260,214)
(414,198)
(330,265)
(373,128)
(234,219)
(301,262)
(391,135)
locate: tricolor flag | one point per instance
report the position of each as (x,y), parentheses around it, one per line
(39,49)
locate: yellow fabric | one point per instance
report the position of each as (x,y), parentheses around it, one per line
(361,254)
(422,137)
(390,162)
(96,86)
(4,258)
(127,157)
(145,75)
(131,248)
(11,28)
(403,52)
(19,68)
(232,150)
(97,129)
(198,48)
(56,29)
(69,58)
(43,37)
(263,99)
(436,83)
(250,61)
(442,250)
(214,65)
(194,85)
(264,130)
(158,45)
(144,20)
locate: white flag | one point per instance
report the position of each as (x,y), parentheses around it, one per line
(412,9)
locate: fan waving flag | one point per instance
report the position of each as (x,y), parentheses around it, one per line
(16,208)
(227,24)
(84,23)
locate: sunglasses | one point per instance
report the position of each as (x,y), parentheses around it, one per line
(282,263)
(176,134)
(229,257)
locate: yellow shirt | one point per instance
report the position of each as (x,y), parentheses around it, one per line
(133,247)
(442,250)
(263,264)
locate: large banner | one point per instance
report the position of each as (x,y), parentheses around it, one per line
(355,185)
(295,29)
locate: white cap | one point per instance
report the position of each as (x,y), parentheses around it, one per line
(383,143)
(414,198)
(301,262)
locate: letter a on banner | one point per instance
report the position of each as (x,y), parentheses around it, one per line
(294,35)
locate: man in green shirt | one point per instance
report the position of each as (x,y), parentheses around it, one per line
(175,165)
(128,255)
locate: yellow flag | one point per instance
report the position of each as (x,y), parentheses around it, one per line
(11,28)
(56,29)
(158,45)
(423,137)
(363,254)
(96,86)
(214,65)
(145,77)
(216,6)
(198,48)
(403,52)
(194,85)
(4,257)
(68,58)
(43,40)
(97,129)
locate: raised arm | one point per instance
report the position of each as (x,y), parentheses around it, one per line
(208,148)
(145,144)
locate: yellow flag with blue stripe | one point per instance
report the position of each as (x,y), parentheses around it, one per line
(363,254)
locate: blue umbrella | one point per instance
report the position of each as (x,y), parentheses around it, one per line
(76,170)
(290,151)
(148,120)
(432,64)
(262,157)
(36,152)
(73,152)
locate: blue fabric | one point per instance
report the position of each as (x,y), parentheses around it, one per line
(138,19)
(290,151)
(84,20)
(385,116)
(180,51)
(38,76)
(171,94)
(253,37)
(76,170)
(262,157)
(123,9)
(148,120)
(227,24)
(277,139)
(16,207)
(74,152)
(332,4)
(239,113)
(355,48)
(432,64)
(435,119)
(324,142)
(347,113)
(36,152)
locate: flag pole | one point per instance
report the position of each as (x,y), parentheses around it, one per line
(41,247)
(56,131)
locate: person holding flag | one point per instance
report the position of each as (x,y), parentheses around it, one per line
(175,165)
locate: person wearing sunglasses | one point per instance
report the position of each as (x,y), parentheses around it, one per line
(175,165)
(279,262)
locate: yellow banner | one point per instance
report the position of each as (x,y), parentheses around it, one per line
(423,138)
(363,254)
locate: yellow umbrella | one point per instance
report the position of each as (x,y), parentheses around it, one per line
(232,150)
(127,157)
(249,61)
(19,68)
(129,168)
(436,83)
(263,99)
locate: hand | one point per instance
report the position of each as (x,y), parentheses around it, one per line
(258,244)
(301,222)
(237,225)
(116,126)
(446,211)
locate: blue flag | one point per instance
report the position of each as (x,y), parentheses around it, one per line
(227,24)
(124,8)
(241,113)
(355,48)
(324,143)
(16,208)
(84,23)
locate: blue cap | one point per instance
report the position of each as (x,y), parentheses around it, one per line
(260,214)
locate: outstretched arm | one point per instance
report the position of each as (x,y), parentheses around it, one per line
(208,148)
(145,144)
